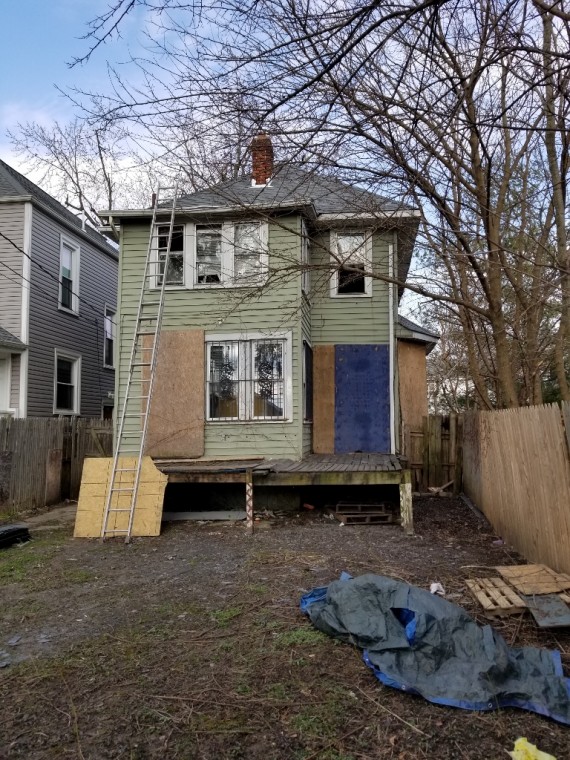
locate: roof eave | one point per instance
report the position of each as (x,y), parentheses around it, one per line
(146,213)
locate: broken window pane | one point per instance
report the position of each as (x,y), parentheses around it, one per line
(247,252)
(208,254)
(351,253)
(175,273)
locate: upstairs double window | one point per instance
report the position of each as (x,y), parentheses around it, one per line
(213,255)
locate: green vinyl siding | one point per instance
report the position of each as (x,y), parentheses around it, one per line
(274,308)
(349,319)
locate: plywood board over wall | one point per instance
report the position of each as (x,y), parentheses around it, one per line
(323,399)
(176,421)
(412,384)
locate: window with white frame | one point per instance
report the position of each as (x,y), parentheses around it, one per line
(230,254)
(208,254)
(69,275)
(67,383)
(351,255)
(175,270)
(248,379)
(109,338)
(305,272)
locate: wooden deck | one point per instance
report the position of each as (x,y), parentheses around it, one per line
(313,470)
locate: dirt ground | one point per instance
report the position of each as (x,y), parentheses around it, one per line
(191,645)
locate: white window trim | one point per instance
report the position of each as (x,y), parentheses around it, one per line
(154,262)
(243,401)
(76,359)
(305,260)
(75,268)
(6,383)
(113,310)
(366,259)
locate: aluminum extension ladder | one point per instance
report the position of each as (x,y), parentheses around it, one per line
(133,419)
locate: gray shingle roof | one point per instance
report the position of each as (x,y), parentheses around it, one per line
(7,340)
(414,327)
(14,184)
(290,184)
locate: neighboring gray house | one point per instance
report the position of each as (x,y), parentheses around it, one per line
(58,286)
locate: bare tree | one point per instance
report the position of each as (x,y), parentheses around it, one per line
(459,107)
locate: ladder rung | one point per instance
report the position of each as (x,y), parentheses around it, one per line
(114,509)
(126,469)
(112,530)
(113,490)
(141,364)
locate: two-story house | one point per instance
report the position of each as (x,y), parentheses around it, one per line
(277,360)
(58,284)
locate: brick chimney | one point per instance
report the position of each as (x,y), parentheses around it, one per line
(261,159)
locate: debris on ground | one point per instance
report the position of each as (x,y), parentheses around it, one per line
(437,588)
(524,750)
(13,534)
(541,590)
(420,643)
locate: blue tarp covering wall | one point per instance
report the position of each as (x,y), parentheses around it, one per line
(362,399)
(421,643)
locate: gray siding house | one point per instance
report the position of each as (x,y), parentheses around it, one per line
(58,285)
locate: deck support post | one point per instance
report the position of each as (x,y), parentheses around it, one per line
(249,500)
(406,510)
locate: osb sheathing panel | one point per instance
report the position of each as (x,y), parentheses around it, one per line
(412,384)
(176,422)
(323,399)
(93,493)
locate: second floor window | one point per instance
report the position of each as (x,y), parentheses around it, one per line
(230,254)
(69,275)
(208,254)
(351,258)
(175,271)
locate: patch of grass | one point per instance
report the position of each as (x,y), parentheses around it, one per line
(256,588)
(308,724)
(224,617)
(78,576)
(300,637)
(278,691)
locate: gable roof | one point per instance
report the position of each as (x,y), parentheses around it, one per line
(7,340)
(16,186)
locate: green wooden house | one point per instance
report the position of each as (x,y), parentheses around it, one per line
(277,359)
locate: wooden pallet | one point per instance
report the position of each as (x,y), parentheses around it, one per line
(362,517)
(535,579)
(496,597)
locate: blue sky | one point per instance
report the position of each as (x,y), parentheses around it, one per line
(37,39)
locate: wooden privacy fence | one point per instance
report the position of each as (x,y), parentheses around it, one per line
(41,458)
(516,468)
(434,453)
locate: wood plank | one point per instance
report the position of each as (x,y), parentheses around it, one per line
(323,398)
(534,579)
(549,611)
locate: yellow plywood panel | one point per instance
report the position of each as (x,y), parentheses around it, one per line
(92,497)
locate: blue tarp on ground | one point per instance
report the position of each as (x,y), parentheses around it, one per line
(418,642)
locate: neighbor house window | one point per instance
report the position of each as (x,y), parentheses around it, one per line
(175,271)
(351,259)
(109,344)
(69,275)
(67,380)
(247,379)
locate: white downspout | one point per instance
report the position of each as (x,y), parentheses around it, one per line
(25,314)
(392,346)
